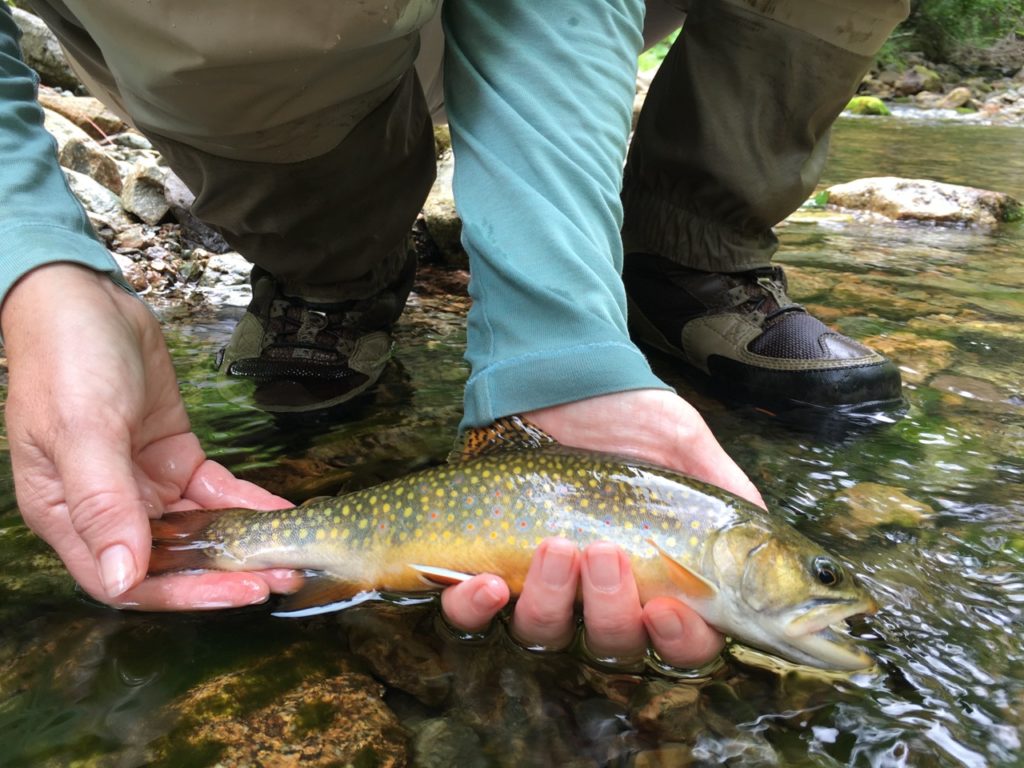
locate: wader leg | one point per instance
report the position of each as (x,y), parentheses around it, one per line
(733,135)
(327,226)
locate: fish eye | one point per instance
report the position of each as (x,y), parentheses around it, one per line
(827,572)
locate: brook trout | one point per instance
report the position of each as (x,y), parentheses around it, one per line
(755,579)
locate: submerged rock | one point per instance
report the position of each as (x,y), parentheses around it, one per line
(918,357)
(871,504)
(925,200)
(328,717)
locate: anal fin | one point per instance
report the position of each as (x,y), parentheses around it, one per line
(442,577)
(322,594)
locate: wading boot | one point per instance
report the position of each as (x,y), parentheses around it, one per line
(307,356)
(755,345)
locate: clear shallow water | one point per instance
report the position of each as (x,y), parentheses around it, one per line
(945,556)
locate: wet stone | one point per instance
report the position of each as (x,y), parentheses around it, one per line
(669,710)
(970,388)
(924,200)
(665,756)
(872,504)
(388,641)
(918,357)
(442,743)
(323,720)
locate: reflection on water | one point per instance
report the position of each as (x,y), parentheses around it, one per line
(928,507)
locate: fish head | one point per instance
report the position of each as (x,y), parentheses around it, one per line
(791,597)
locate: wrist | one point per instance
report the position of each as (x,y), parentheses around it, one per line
(43,288)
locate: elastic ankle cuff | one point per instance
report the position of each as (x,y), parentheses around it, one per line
(655,226)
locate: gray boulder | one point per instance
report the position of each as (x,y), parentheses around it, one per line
(43,53)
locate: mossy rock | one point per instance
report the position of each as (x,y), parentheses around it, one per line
(867,105)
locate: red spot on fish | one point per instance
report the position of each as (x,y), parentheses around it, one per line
(497,512)
(433,515)
(647,526)
(522,523)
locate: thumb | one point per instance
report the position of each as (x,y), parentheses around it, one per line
(106,508)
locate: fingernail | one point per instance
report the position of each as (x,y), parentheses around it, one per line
(117,569)
(667,625)
(556,564)
(487,598)
(603,567)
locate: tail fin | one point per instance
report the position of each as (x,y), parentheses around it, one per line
(179,541)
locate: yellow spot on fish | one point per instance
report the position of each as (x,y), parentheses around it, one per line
(451,517)
(439,492)
(386,508)
(345,533)
(275,524)
(321,535)
(402,535)
(346,510)
(671,541)
(303,533)
(373,500)
(334,533)
(584,503)
(407,512)
(627,525)
(362,524)
(695,524)
(693,541)
(310,512)
(433,536)
(494,534)
(336,519)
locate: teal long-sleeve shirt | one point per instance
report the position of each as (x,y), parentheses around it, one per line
(539,98)
(41,221)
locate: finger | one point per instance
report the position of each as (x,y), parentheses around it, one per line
(106,507)
(472,605)
(544,614)
(282,581)
(196,592)
(679,635)
(612,612)
(214,487)
(169,463)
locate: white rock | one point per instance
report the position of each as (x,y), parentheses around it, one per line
(924,200)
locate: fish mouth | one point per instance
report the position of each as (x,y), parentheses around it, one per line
(819,636)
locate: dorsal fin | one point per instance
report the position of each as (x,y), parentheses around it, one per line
(507,433)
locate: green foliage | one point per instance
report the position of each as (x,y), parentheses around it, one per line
(938,28)
(652,56)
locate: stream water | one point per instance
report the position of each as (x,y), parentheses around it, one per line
(929,507)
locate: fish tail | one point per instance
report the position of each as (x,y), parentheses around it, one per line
(181,541)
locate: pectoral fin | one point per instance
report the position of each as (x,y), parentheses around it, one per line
(442,577)
(322,594)
(691,584)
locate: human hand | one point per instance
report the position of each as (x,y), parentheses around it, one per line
(100,442)
(652,425)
